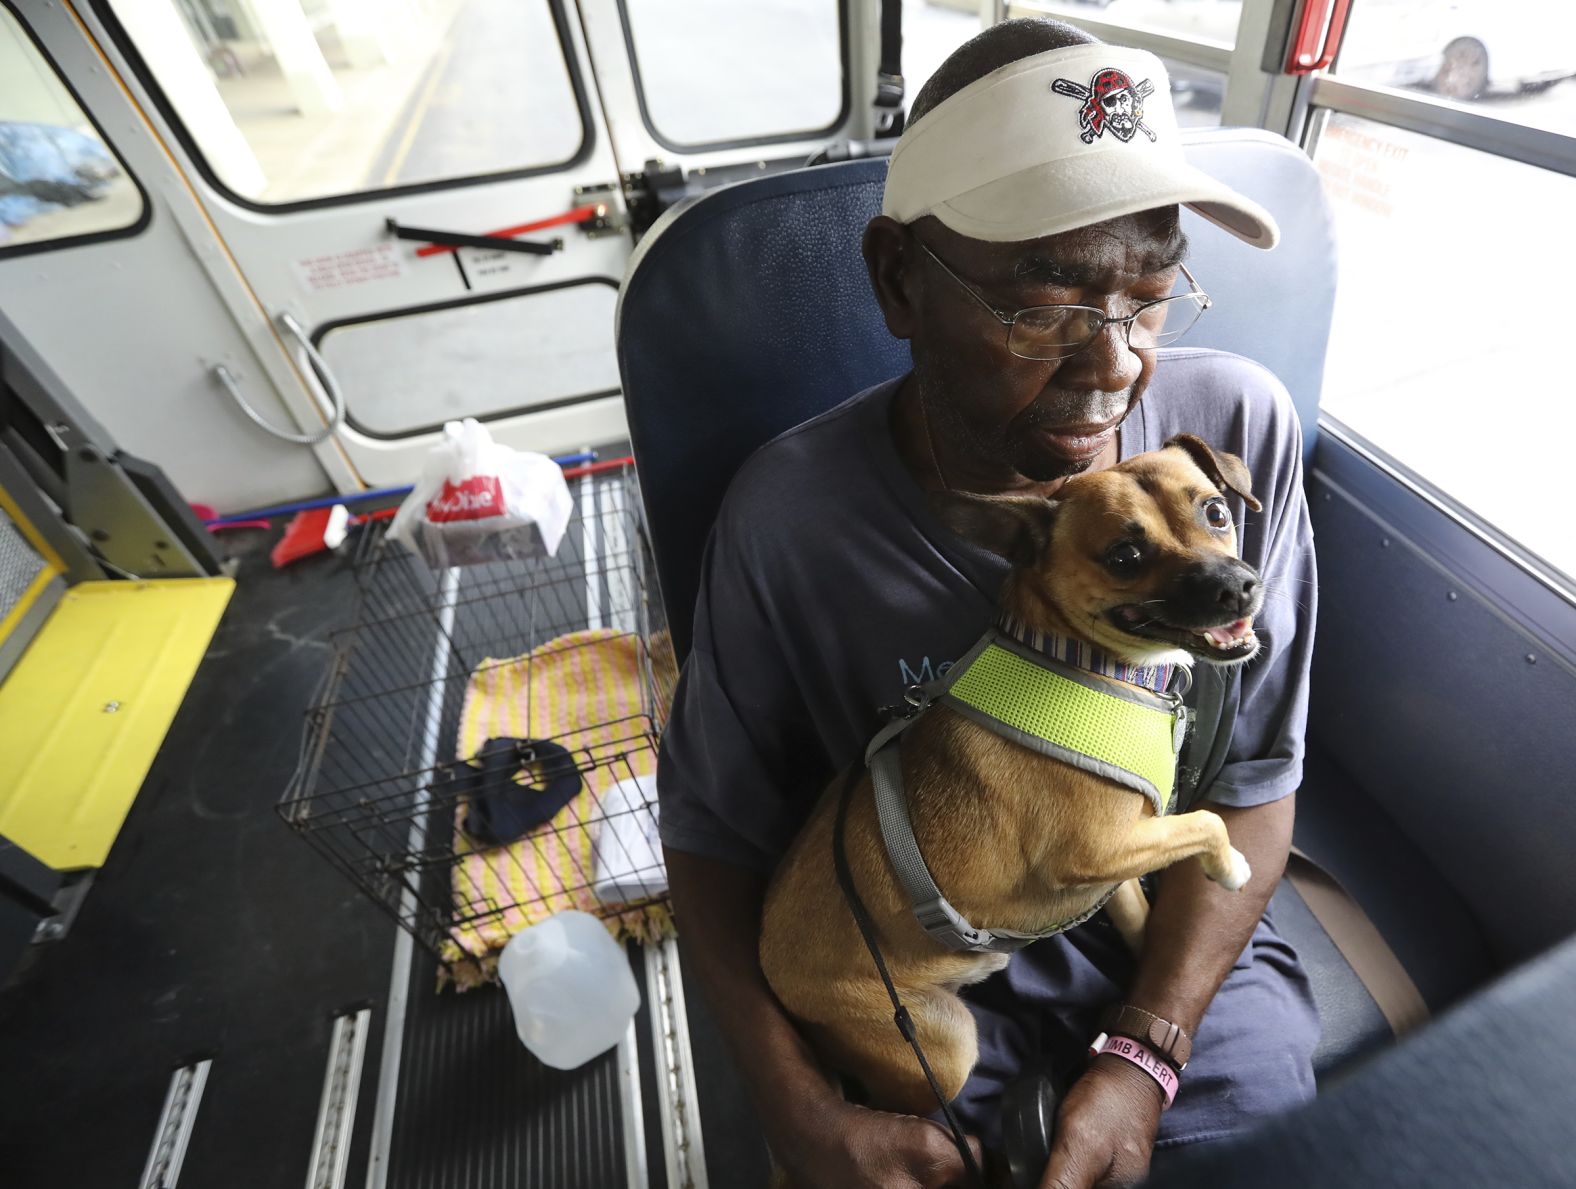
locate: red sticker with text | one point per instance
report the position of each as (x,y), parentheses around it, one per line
(475,498)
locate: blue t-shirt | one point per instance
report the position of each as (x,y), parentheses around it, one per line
(828,587)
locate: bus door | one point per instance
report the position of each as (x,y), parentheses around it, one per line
(422,205)
(112,274)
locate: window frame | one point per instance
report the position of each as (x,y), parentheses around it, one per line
(1532,608)
(104,10)
(145,216)
(1441,119)
(322,331)
(845,100)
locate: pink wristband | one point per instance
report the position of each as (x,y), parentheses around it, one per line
(1141,1056)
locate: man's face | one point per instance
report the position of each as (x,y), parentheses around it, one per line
(1047,418)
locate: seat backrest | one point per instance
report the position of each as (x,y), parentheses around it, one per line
(748,311)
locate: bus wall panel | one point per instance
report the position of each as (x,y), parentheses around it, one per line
(1434,686)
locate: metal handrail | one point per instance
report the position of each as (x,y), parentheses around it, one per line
(320,368)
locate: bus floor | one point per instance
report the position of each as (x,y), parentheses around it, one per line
(209,932)
(213,932)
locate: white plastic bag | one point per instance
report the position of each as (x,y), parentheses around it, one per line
(629,864)
(570,988)
(477,501)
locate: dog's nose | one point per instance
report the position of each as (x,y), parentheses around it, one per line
(1237,592)
(1207,589)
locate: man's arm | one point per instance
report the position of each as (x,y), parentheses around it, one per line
(1198,929)
(820,1140)
(1196,932)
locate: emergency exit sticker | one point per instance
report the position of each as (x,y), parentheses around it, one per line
(359,266)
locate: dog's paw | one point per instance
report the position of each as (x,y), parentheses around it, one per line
(1236,874)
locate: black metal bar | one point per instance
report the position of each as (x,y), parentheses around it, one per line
(460,239)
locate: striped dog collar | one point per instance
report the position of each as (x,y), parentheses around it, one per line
(1079,654)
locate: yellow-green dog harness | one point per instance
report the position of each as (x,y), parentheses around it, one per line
(1122,732)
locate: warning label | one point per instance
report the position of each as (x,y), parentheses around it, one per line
(1360,169)
(488,263)
(381,262)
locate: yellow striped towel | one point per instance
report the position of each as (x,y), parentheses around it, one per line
(589,692)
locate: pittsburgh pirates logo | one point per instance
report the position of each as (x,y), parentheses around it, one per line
(1111,103)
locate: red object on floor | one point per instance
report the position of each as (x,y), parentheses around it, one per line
(307,533)
(303,537)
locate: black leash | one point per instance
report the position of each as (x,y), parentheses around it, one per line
(900,1016)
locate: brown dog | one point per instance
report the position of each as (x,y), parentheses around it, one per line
(1139,560)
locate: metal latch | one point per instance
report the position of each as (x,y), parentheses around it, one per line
(889,104)
(607,219)
(650,191)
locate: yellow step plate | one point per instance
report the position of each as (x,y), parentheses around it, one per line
(84,711)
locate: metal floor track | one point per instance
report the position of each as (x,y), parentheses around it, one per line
(476,1111)
(471,1107)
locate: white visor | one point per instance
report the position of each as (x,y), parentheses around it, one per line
(1054,142)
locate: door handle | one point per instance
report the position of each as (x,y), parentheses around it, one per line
(1316,38)
(325,376)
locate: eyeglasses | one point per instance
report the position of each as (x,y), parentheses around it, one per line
(1059,332)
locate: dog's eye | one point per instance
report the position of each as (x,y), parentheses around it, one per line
(1123,556)
(1216,514)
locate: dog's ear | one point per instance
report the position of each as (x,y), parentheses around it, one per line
(1225,471)
(1018,527)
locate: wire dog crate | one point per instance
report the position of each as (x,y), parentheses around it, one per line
(555,653)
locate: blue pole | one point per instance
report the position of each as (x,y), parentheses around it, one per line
(328,501)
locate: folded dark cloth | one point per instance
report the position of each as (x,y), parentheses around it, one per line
(501,808)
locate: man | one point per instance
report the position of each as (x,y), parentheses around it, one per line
(1039,169)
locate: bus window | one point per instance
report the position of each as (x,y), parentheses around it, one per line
(59,180)
(930,33)
(504,354)
(290,101)
(1433,136)
(1212,21)
(719,72)
(1197,93)
(1446,327)
(1512,60)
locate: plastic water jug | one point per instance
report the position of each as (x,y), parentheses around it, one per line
(570,988)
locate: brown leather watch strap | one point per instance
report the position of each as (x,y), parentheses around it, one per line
(1165,1038)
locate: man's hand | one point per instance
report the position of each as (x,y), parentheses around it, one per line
(1196,930)
(852,1147)
(1105,1128)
